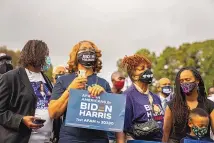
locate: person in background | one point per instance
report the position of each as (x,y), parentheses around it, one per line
(211,92)
(165,91)
(141,104)
(211,97)
(57,72)
(189,94)
(5,63)
(21,102)
(198,123)
(85,56)
(118,82)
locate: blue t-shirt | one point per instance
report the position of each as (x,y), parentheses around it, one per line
(138,109)
(192,139)
(72,132)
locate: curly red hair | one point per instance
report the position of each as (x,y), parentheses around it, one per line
(129,63)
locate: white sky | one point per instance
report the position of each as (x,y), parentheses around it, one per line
(118,27)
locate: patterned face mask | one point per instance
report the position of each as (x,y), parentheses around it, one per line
(199,132)
(188,87)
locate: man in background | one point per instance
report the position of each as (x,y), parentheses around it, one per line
(211,97)
(211,91)
(5,63)
(118,82)
(57,72)
(165,91)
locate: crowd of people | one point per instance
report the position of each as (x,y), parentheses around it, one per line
(33,107)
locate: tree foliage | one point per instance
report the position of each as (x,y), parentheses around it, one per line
(172,59)
(13,54)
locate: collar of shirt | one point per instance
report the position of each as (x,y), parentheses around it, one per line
(162,98)
(140,90)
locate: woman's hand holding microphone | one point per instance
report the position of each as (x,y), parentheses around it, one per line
(80,83)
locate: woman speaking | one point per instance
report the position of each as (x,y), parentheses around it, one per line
(84,58)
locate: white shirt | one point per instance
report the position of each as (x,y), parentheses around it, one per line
(43,134)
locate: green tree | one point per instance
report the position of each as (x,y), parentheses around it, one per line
(167,64)
(172,59)
(148,54)
(120,68)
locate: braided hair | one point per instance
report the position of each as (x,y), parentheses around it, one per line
(33,54)
(180,109)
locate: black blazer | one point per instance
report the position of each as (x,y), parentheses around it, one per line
(17,99)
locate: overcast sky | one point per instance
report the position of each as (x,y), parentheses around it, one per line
(117,27)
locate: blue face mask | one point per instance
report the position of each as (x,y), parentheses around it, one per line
(47,63)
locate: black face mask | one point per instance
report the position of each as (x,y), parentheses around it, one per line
(86,58)
(146,76)
(5,68)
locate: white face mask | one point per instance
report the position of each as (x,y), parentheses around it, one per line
(211,97)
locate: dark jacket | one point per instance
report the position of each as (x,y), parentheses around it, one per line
(199,140)
(17,99)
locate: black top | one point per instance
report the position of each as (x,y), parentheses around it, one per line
(17,99)
(181,129)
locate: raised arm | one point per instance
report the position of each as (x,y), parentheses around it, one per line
(60,96)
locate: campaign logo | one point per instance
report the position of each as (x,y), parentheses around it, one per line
(95,110)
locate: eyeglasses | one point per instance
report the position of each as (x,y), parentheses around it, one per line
(5,62)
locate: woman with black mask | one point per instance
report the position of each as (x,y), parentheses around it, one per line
(143,107)
(84,64)
(5,63)
(189,94)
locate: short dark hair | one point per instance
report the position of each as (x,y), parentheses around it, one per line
(115,73)
(210,89)
(33,53)
(198,111)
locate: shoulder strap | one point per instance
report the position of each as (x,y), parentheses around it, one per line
(151,101)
